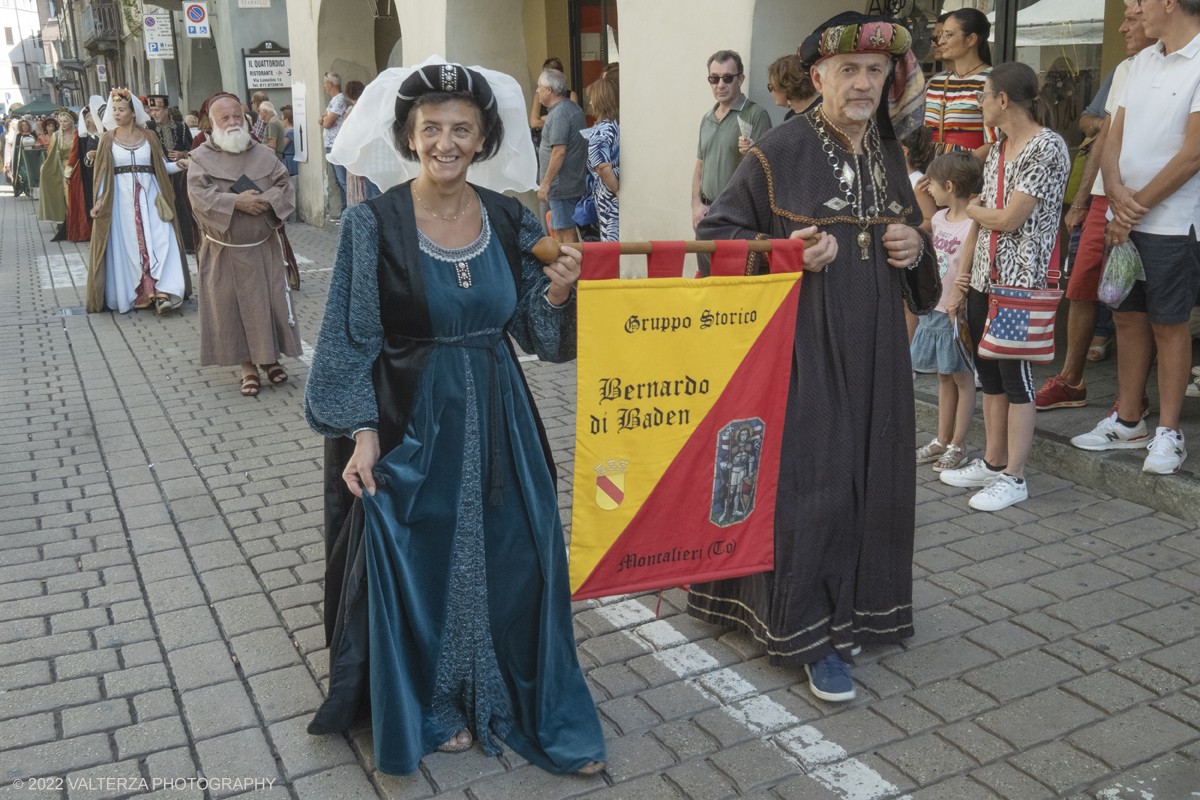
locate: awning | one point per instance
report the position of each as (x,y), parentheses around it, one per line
(1050,23)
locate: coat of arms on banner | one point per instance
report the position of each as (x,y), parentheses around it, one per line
(735,477)
(610,483)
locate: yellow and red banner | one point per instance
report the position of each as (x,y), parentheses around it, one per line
(682,391)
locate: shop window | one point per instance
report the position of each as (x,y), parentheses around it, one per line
(594,44)
(1062,40)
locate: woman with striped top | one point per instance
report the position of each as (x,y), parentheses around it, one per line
(951,109)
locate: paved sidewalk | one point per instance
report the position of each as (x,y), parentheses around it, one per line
(160,609)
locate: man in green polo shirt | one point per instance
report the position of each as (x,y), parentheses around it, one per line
(718,155)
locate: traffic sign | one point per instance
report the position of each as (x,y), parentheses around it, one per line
(196,23)
(102,73)
(157,34)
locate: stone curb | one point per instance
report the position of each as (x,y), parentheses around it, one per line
(1118,473)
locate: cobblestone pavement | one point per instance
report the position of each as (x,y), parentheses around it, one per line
(160,609)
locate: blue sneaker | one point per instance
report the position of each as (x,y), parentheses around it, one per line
(829,679)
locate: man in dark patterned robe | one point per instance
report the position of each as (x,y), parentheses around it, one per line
(176,141)
(844,514)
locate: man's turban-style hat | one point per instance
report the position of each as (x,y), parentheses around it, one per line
(902,107)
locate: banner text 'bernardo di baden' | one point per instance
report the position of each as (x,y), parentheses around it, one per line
(682,389)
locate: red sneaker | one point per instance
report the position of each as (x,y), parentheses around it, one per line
(1145,407)
(1057,393)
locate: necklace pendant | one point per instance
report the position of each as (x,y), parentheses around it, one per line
(462,271)
(836,203)
(864,241)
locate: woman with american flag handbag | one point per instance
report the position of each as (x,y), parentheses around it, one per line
(1009,310)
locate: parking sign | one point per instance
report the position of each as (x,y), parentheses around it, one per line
(157,35)
(196,20)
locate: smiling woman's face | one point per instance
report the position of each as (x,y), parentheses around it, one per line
(446,137)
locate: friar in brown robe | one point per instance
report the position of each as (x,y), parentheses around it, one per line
(247,314)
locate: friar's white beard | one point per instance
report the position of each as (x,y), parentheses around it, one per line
(233,141)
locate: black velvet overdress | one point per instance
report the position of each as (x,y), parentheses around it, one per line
(844,515)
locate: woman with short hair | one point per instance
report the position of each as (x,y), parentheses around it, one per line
(790,84)
(447,602)
(1013,242)
(27,160)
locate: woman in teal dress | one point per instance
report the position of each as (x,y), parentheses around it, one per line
(448,608)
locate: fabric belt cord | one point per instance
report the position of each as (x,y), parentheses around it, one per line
(485,340)
(133,168)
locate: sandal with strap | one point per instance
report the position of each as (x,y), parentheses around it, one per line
(591,768)
(1099,352)
(455,746)
(250,385)
(929,453)
(953,458)
(275,373)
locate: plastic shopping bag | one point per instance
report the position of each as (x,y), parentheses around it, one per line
(1122,267)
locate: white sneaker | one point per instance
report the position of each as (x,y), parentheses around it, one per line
(973,475)
(1167,452)
(1196,371)
(1193,389)
(1003,492)
(1112,435)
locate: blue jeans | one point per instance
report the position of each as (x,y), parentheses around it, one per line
(339,174)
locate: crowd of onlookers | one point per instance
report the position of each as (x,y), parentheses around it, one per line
(993,180)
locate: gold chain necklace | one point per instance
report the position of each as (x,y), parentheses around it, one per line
(430,210)
(853,185)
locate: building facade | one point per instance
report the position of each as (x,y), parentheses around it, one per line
(21,54)
(662,46)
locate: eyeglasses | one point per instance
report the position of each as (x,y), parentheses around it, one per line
(726,79)
(770,88)
(980,94)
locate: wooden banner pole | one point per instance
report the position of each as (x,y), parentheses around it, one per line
(547,249)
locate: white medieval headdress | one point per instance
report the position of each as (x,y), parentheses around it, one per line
(140,115)
(93,108)
(366,146)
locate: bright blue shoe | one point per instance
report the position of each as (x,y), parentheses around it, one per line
(829,679)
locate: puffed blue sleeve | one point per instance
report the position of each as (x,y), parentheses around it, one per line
(339,397)
(537,326)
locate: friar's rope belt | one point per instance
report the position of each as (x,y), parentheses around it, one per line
(134,168)
(287,290)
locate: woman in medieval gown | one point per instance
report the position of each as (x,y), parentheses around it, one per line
(52,203)
(81,190)
(447,583)
(136,257)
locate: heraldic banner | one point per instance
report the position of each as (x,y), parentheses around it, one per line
(682,388)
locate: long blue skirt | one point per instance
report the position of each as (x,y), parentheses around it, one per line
(469,603)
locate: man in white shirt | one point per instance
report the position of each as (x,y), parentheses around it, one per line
(1150,167)
(331,121)
(1090,209)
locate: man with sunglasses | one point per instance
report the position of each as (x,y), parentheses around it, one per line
(718,155)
